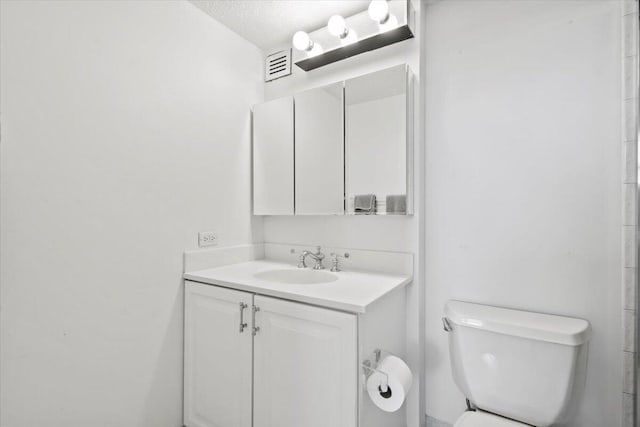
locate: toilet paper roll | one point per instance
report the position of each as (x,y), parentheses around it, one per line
(400,380)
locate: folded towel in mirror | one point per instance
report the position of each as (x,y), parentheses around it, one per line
(364,204)
(396,204)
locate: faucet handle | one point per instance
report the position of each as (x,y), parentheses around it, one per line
(334,260)
(301,261)
(335,255)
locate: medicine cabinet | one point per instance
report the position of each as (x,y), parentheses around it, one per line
(344,148)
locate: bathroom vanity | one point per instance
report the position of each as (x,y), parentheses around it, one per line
(268,344)
(272,344)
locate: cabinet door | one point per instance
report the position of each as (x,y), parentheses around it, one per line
(378,144)
(217,357)
(305,366)
(273,185)
(319,151)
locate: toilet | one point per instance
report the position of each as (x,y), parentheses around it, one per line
(516,368)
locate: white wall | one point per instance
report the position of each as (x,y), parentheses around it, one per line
(125,130)
(523,176)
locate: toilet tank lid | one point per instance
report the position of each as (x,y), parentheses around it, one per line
(526,324)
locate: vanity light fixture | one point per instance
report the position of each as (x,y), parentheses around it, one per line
(384,22)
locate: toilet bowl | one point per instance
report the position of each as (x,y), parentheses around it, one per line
(518,368)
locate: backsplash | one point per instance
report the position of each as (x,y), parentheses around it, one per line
(379,261)
(376,261)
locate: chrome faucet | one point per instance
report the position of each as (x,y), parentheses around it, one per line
(317,257)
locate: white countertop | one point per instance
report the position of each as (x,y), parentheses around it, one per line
(354,291)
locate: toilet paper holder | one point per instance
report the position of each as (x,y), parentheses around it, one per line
(370,366)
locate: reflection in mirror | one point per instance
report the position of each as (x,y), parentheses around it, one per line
(376,143)
(319,151)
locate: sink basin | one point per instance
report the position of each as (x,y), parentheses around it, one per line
(300,276)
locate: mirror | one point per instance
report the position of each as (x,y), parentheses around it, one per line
(342,148)
(319,151)
(378,161)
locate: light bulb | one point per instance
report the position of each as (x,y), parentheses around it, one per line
(337,26)
(379,11)
(315,50)
(302,41)
(389,24)
(350,38)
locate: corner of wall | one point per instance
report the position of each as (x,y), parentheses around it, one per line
(630,211)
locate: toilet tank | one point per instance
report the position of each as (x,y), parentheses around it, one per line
(522,365)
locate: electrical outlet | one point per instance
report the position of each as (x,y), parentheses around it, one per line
(207,238)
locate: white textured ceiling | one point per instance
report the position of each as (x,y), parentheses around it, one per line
(271,23)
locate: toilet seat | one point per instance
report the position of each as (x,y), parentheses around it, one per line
(485,419)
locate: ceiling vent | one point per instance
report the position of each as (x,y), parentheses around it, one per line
(277,65)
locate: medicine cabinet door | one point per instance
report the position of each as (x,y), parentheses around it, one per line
(378,144)
(319,151)
(273,187)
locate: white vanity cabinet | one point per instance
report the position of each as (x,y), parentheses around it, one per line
(304,361)
(305,366)
(217,357)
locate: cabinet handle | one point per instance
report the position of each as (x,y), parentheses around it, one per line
(243,324)
(255,329)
